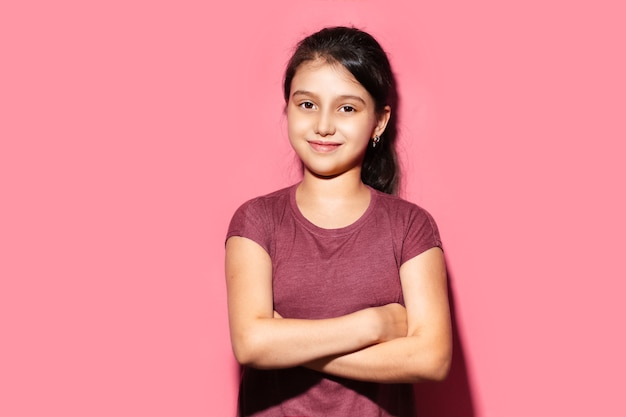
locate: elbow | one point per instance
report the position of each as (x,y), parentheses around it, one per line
(242,355)
(433,371)
(440,368)
(433,367)
(248,352)
(243,349)
(246,355)
(441,363)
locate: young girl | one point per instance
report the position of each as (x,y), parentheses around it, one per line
(337,291)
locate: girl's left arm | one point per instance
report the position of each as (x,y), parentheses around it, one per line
(426,352)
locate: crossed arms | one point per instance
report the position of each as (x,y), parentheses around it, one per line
(379,344)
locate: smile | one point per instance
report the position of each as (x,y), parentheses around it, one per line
(323,147)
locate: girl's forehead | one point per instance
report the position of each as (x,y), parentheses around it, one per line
(320,70)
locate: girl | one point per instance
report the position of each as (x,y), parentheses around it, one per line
(337,292)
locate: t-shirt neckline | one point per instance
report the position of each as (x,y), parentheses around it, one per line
(313,228)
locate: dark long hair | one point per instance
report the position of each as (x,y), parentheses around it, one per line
(365,59)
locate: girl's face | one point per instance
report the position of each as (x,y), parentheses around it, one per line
(331,119)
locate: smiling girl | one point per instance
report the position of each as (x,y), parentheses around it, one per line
(337,291)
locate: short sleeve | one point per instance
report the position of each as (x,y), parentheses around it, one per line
(251,221)
(421,234)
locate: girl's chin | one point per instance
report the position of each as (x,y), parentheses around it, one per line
(328,173)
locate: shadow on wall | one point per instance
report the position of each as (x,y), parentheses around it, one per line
(452,397)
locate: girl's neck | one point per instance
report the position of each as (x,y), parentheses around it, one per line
(332,203)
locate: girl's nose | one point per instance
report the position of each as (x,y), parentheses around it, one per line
(325,125)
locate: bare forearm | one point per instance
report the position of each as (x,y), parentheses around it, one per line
(402,360)
(281,343)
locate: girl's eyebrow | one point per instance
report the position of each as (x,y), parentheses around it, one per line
(302,93)
(342,97)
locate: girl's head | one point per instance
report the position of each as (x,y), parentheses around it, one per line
(361,55)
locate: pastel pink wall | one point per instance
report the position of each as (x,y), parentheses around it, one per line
(131,130)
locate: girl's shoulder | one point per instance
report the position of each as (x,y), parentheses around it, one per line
(404,212)
(278,197)
(415,225)
(256,218)
(398,204)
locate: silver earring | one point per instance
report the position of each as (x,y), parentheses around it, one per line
(375,141)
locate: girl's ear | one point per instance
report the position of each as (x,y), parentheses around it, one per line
(383,119)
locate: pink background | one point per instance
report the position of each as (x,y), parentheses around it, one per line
(131,130)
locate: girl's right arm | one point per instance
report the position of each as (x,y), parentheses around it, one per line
(262,341)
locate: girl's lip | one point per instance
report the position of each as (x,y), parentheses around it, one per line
(321,146)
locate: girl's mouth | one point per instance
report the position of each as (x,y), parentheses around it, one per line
(323,147)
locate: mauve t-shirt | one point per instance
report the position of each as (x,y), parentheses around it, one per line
(321,273)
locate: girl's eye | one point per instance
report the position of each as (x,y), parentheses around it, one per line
(347,109)
(307,105)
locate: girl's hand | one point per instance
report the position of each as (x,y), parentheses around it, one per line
(391,321)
